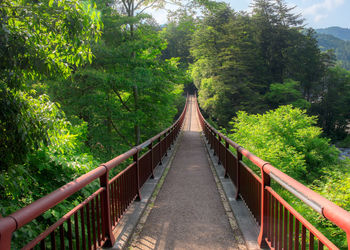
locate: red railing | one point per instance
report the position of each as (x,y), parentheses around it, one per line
(91,223)
(281,226)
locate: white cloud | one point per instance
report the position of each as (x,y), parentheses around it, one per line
(320,10)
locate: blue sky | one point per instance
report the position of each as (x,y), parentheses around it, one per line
(318,13)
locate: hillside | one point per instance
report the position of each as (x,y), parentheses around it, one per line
(340,47)
(338,32)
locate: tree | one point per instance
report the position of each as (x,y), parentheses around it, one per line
(274,26)
(38,38)
(103,93)
(178,34)
(227,69)
(238,56)
(332,105)
(286,93)
(134,10)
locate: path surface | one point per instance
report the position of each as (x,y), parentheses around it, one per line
(188,212)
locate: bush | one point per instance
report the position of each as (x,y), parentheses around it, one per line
(287,138)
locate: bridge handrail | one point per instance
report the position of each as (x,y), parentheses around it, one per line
(18,219)
(326,208)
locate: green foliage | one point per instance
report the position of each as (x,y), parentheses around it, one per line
(333,103)
(286,93)
(62,158)
(223,71)
(178,34)
(21,127)
(238,56)
(288,139)
(127,85)
(45,37)
(59,156)
(335,187)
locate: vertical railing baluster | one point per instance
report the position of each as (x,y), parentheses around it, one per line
(311,243)
(265,182)
(42,245)
(227,146)
(238,170)
(269,215)
(115,201)
(76,230)
(272,217)
(137,164)
(296,234)
(160,150)
(320,245)
(303,237)
(62,238)
(212,142)
(219,141)
(119,198)
(276,223)
(88,225)
(93,224)
(53,240)
(82,224)
(280,230)
(291,230)
(150,146)
(98,217)
(70,241)
(285,228)
(106,210)
(112,204)
(166,143)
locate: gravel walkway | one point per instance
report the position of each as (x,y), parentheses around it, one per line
(188,212)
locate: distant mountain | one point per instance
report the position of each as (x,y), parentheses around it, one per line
(340,47)
(338,32)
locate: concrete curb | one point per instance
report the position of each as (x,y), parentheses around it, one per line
(243,217)
(126,227)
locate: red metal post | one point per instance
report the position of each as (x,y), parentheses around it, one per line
(238,170)
(166,143)
(106,210)
(136,160)
(160,150)
(219,142)
(7,227)
(212,144)
(150,146)
(266,181)
(227,146)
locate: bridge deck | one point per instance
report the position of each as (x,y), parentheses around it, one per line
(188,212)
